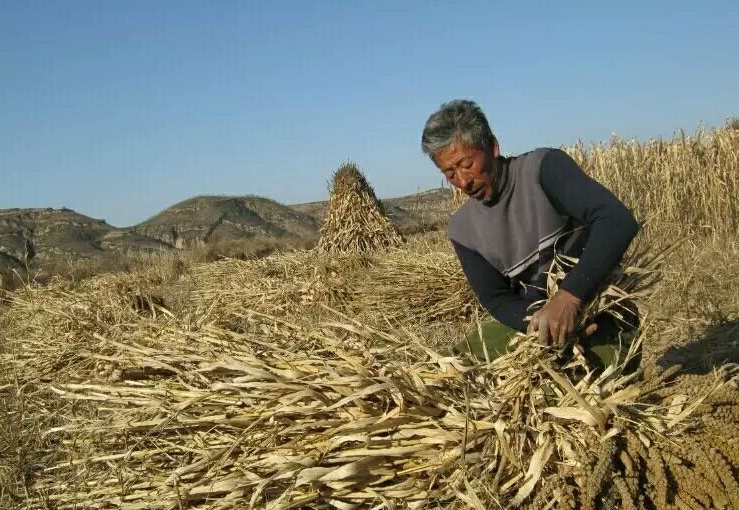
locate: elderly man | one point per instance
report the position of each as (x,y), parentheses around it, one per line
(522,210)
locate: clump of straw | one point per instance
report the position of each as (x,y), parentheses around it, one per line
(168,412)
(355,220)
(416,288)
(300,284)
(459,198)
(399,286)
(292,417)
(625,291)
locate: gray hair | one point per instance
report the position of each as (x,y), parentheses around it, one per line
(460,120)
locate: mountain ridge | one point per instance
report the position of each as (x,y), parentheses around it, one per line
(46,235)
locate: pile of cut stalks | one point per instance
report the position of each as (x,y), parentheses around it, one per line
(166,411)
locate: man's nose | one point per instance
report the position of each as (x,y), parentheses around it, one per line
(465,182)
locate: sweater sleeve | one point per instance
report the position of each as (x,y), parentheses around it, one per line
(492,289)
(611,224)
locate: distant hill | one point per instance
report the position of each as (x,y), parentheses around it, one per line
(47,236)
(205,219)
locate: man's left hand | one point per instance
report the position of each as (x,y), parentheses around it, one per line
(556,320)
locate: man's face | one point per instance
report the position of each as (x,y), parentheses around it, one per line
(471,170)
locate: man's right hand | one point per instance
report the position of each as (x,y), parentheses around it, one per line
(539,324)
(556,320)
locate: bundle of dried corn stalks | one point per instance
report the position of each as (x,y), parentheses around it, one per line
(288,284)
(416,288)
(327,417)
(355,221)
(630,283)
(399,286)
(170,412)
(49,326)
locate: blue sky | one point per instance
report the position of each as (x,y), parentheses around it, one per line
(120,109)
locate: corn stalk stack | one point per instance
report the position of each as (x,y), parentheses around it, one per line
(356,221)
(398,286)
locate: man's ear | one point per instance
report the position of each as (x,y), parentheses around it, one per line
(496,148)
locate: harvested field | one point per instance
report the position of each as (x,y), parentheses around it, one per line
(317,380)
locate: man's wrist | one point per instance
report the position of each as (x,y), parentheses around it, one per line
(569,297)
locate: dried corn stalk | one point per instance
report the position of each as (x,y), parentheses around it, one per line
(459,198)
(172,412)
(328,417)
(295,283)
(355,220)
(417,288)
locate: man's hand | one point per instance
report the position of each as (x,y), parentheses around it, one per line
(555,321)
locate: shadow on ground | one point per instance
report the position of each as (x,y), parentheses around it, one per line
(717,346)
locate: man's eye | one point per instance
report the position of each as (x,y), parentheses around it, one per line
(467,164)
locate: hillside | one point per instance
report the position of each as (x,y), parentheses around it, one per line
(205,219)
(45,235)
(419,211)
(52,236)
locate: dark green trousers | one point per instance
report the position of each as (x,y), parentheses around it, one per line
(491,340)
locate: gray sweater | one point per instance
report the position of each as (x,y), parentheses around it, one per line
(545,203)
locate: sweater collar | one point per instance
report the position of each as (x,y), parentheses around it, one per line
(501,165)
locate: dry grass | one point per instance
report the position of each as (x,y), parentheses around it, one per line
(459,198)
(292,284)
(687,185)
(302,380)
(167,412)
(245,249)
